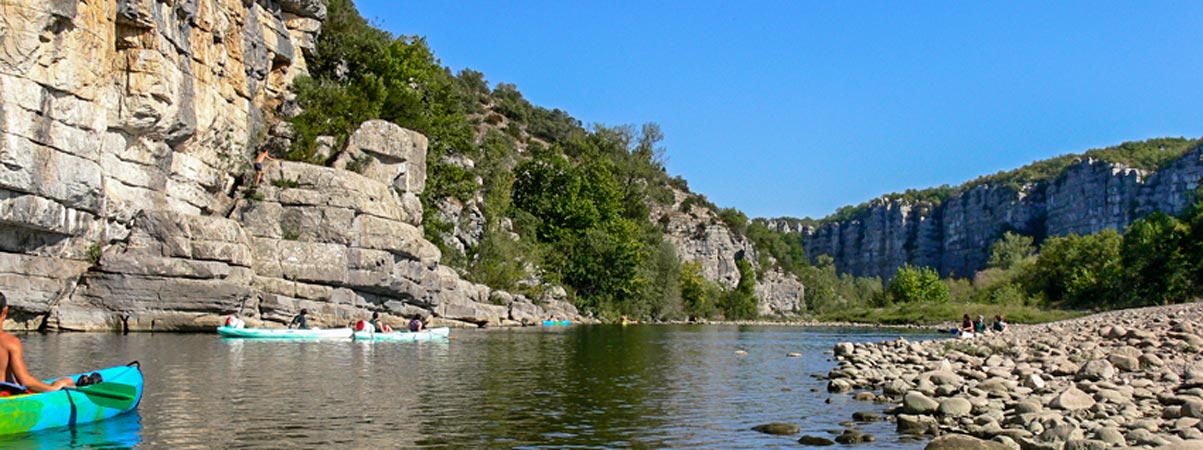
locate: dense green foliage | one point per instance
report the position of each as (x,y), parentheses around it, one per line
(917,284)
(740,304)
(1010,251)
(562,204)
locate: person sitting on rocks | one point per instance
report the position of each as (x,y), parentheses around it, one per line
(301,321)
(17,379)
(1000,326)
(979,325)
(966,324)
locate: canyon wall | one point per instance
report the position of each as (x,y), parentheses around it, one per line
(698,235)
(128,199)
(955,236)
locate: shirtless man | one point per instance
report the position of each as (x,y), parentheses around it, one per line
(12,362)
(259,165)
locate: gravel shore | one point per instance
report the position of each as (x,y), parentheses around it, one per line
(1119,379)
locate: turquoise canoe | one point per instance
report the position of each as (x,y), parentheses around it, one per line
(120,392)
(433,334)
(557,323)
(284,333)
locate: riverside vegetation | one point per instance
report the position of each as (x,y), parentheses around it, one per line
(568,204)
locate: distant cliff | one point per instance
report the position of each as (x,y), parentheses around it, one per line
(954,234)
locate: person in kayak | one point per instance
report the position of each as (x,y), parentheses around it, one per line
(301,321)
(12,361)
(375,322)
(365,326)
(416,324)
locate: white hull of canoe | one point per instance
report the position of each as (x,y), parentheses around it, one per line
(284,333)
(433,334)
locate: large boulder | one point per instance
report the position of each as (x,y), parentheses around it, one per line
(963,442)
(389,154)
(1072,399)
(916,424)
(916,403)
(778,428)
(1096,370)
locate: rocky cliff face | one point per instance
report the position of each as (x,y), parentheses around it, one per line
(955,237)
(125,203)
(699,235)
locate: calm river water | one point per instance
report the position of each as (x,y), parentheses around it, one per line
(643,386)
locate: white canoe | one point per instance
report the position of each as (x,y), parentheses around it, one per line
(284,333)
(440,333)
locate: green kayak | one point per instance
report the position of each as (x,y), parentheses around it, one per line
(119,393)
(433,334)
(283,333)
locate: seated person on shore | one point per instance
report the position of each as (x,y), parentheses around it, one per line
(416,324)
(17,379)
(979,325)
(300,322)
(966,325)
(1000,326)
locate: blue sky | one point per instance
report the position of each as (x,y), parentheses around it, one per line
(798,108)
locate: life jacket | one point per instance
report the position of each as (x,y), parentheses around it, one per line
(364,325)
(415,325)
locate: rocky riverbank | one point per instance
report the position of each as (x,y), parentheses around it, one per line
(1121,379)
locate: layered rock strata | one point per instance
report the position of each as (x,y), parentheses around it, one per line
(125,179)
(955,237)
(698,235)
(1122,379)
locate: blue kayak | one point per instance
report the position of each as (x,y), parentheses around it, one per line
(557,323)
(119,393)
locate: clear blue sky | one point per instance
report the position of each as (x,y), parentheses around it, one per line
(798,108)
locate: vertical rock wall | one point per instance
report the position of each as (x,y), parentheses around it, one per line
(127,130)
(955,237)
(700,236)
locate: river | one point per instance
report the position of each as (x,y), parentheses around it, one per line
(640,386)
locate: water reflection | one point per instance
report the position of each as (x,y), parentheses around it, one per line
(584,387)
(124,431)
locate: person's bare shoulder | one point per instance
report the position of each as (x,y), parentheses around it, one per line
(9,342)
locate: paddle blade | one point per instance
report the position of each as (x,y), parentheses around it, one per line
(111,394)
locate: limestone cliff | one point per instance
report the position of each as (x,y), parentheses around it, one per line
(955,236)
(699,235)
(125,197)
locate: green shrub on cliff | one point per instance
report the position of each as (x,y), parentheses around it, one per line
(1010,250)
(578,198)
(740,303)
